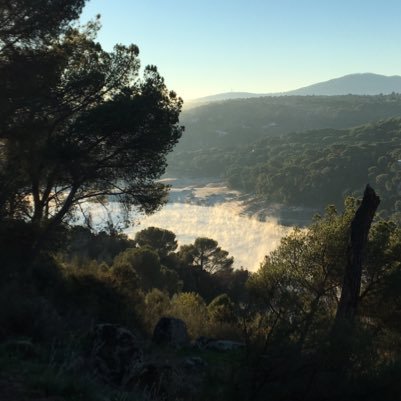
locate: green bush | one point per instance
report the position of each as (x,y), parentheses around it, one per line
(190,307)
(156,305)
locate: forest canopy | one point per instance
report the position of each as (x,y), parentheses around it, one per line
(310,169)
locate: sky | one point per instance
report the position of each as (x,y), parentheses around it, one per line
(205,47)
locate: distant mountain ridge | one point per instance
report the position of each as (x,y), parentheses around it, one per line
(354,84)
(228,96)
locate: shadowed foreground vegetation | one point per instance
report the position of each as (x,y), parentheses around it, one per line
(284,313)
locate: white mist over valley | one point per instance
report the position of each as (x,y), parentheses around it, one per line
(209,209)
(245,238)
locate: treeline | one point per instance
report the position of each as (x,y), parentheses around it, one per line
(242,121)
(312,168)
(153,260)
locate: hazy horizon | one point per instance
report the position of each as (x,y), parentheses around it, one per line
(260,46)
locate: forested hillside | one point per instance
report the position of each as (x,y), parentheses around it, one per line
(312,168)
(242,121)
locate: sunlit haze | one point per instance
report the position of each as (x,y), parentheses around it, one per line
(245,238)
(207,47)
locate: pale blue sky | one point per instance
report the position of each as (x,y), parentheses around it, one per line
(203,47)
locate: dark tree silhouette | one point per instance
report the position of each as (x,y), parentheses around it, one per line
(79,123)
(27,23)
(161,240)
(360,227)
(206,255)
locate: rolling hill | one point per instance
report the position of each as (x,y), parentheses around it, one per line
(242,121)
(354,84)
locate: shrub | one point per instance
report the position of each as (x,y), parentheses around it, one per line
(156,305)
(191,308)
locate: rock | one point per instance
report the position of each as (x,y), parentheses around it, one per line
(116,355)
(202,342)
(208,343)
(171,331)
(194,363)
(224,345)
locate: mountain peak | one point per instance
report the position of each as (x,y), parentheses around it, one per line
(355,84)
(366,83)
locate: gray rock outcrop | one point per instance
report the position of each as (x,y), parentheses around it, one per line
(171,331)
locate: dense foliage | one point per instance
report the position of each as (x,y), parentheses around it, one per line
(243,121)
(311,168)
(77,122)
(284,312)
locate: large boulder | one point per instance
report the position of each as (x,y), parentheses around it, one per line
(171,331)
(116,354)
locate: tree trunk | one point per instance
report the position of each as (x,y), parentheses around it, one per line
(360,227)
(51,224)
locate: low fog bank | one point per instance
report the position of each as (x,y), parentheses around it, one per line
(246,238)
(207,208)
